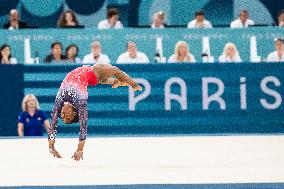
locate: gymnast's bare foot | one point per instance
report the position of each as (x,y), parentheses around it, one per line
(137,88)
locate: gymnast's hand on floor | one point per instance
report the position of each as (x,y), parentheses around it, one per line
(78,155)
(54,153)
(52,149)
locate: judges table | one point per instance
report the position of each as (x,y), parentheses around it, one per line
(114,41)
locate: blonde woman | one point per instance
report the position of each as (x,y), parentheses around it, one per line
(32,120)
(230,54)
(158,20)
(182,53)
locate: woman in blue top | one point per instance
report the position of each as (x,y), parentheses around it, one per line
(32,120)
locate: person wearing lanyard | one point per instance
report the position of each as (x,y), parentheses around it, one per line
(32,120)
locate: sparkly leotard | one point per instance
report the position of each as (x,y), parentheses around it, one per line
(73,90)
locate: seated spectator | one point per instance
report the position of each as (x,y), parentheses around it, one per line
(6,56)
(72,54)
(158,20)
(32,120)
(67,19)
(199,21)
(132,55)
(243,21)
(96,56)
(278,54)
(14,21)
(111,21)
(230,54)
(182,53)
(56,55)
(281,18)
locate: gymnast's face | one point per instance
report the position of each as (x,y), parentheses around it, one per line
(68,113)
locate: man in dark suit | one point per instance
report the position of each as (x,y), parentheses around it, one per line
(14,21)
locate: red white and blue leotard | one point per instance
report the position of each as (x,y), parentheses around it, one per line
(73,90)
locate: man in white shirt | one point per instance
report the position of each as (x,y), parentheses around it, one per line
(278,55)
(96,56)
(281,18)
(111,21)
(132,55)
(14,21)
(243,21)
(199,21)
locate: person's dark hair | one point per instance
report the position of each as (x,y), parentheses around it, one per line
(244,11)
(2,48)
(280,12)
(55,43)
(62,20)
(76,118)
(126,45)
(279,39)
(112,12)
(199,13)
(67,49)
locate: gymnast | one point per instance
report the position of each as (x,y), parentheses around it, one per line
(72,97)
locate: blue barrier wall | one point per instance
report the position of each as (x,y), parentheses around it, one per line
(177,99)
(113,46)
(251,101)
(12,91)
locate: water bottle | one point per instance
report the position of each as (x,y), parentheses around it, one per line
(36,58)
(157,57)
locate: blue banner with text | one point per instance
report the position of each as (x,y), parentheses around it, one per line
(176,99)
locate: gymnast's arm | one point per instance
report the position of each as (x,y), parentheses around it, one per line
(52,130)
(81,106)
